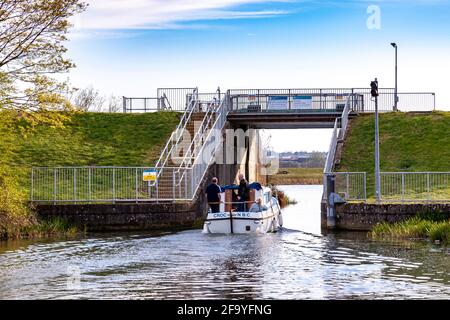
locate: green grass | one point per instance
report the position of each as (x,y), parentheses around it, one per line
(100,139)
(297,176)
(408,142)
(90,139)
(414,228)
(47,228)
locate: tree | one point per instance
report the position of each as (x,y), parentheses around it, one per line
(114,104)
(32,36)
(88,99)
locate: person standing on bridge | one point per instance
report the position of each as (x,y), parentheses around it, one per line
(243,193)
(213,192)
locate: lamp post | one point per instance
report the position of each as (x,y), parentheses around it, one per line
(374,92)
(396,69)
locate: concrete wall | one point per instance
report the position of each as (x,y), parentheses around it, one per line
(116,217)
(364,217)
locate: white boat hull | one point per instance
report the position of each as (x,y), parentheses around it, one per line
(244,222)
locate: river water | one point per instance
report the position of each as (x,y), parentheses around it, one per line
(295,263)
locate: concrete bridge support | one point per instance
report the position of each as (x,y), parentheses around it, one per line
(236,157)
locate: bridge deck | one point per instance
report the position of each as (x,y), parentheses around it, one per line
(286,119)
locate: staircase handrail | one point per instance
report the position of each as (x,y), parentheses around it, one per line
(219,123)
(198,136)
(339,132)
(177,133)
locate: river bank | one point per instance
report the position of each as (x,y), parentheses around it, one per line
(391,219)
(297,176)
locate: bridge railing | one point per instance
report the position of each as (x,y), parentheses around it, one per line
(102,185)
(326,100)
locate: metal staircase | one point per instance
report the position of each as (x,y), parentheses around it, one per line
(191,148)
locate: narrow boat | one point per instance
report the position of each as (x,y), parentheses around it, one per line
(263,218)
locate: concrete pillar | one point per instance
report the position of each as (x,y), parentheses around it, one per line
(331,210)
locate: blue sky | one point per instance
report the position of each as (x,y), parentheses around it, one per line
(132,47)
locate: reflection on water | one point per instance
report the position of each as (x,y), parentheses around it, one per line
(296,263)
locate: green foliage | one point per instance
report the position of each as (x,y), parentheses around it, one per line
(414,228)
(282,197)
(53,227)
(32,52)
(14,215)
(440,231)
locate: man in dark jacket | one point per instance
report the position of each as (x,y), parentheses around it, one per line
(243,193)
(213,195)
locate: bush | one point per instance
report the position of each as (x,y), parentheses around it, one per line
(440,232)
(14,214)
(416,227)
(282,197)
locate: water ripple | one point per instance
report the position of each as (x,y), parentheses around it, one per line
(190,265)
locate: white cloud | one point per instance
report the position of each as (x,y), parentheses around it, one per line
(164,14)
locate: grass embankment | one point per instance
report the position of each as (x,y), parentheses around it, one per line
(409,142)
(435,227)
(297,176)
(85,139)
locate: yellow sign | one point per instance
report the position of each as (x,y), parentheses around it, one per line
(149,175)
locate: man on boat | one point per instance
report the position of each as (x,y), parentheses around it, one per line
(213,195)
(243,193)
(258,206)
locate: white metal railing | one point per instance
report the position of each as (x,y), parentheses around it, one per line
(176,99)
(173,99)
(204,145)
(101,185)
(143,104)
(415,186)
(328,99)
(177,134)
(395,186)
(339,132)
(210,146)
(329,162)
(351,186)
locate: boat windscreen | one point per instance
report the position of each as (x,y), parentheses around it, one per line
(255,185)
